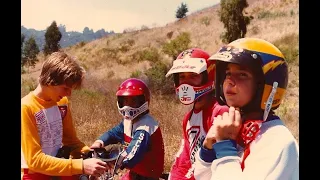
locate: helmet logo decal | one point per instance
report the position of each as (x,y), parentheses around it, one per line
(184,67)
(63,111)
(272,65)
(186,53)
(184,89)
(223,56)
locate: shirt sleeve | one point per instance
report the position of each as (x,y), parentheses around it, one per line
(113,136)
(204,157)
(270,163)
(38,161)
(137,148)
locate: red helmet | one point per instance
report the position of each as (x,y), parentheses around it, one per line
(193,60)
(134,87)
(141,94)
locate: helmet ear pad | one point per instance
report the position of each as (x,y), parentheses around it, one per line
(220,76)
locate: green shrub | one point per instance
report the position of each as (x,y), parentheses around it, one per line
(136,74)
(169,34)
(268,14)
(157,80)
(149,54)
(110,74)
(289,46)
(177,45)
(205,20)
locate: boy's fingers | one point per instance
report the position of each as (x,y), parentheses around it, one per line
(102,163)
(231,115)
(216,120)
(225,118)
(237,118)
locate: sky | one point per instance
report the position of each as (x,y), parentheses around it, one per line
(115,15)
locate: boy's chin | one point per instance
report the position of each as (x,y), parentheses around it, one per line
(235,105)
(58,99)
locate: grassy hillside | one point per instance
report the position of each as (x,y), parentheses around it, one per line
(111,59)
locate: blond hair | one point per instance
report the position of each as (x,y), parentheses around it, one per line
(59,68)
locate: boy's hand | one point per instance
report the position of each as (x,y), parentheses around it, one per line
(228,125)
(94,166)
(210,138)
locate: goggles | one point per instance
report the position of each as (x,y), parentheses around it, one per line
(129,113)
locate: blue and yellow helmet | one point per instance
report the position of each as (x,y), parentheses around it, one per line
(265,60)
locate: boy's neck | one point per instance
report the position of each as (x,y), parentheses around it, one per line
(203,102)
(253,116)
(40,93)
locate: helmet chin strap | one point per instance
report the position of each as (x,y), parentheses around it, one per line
(269,101)
(251,128)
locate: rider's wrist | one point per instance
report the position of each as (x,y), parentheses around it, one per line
(207,143)
(101,142)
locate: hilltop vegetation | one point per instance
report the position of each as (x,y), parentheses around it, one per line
(69,38)
(148,53)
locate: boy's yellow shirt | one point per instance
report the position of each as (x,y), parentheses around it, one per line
(45,127)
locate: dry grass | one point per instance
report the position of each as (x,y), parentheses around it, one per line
(289,110)
(94,107)
(95,112)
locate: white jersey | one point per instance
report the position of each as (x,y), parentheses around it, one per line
(274,155)
(195,134)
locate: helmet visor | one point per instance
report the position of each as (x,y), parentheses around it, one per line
(196,65)
(238,56)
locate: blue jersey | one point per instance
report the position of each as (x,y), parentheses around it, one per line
(144,145)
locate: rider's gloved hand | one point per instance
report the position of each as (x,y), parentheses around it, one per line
(96,144)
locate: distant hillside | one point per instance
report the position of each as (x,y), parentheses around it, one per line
(111,59)
(68,38)
(115,56)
